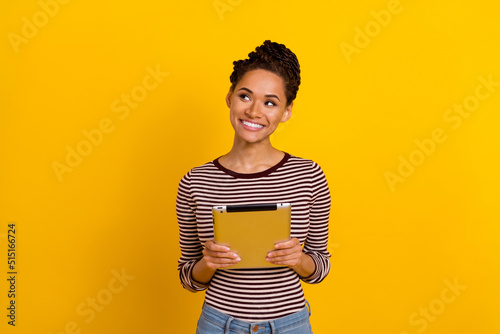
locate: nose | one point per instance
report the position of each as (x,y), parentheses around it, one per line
(254,111)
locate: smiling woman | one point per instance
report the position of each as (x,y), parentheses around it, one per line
(257,106)
(269,299)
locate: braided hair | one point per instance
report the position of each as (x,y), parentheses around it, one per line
(273,57)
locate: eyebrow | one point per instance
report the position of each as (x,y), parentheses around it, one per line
(267,95)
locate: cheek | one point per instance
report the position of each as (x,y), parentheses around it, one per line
(233,113)
(233,118)
(277,118)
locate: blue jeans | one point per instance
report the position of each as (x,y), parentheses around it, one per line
(213,321)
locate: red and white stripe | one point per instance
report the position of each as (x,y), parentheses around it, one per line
(254,294)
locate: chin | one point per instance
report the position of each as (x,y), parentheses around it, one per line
(251,140)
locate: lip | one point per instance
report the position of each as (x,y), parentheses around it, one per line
(249,128)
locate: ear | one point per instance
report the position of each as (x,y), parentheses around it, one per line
(229,96)
(287,114)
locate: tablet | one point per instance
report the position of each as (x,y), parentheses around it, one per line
(252,230)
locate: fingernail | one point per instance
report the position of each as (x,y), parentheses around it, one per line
(238,259)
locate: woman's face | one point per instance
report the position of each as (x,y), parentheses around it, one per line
(257,106)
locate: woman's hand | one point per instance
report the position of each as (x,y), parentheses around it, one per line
(289,253)
(214,257)
(218,256)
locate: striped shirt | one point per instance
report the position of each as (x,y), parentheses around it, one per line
(254,294)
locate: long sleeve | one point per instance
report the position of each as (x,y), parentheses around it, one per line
(191,247)
(317,239)
(254,294)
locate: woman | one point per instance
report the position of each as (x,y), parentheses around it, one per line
(269,300)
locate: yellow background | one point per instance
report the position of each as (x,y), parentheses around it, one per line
(394,248)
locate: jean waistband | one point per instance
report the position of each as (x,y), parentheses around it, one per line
(241,326)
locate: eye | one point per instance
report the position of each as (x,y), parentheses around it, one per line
(244,97)
(270,103)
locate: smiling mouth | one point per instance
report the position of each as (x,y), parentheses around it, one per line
(252,125)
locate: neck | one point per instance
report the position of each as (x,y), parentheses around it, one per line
(251,157)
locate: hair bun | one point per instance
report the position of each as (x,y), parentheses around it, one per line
(273,57)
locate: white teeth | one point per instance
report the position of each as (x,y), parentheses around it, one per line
(253,125)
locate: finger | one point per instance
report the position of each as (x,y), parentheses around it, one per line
(212,245)
(284,257)
(287,260)
(228,254)
(219,263)
(287,244)
(222,260)
(290,260)
(285,251)
(218,250)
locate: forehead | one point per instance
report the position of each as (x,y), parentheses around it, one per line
(262,82)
